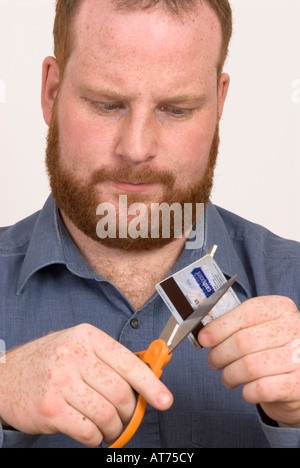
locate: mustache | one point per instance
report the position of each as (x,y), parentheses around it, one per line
(141,175)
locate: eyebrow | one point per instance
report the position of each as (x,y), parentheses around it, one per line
(114,96)
(185,98)
(103,93)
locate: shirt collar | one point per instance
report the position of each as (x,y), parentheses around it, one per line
(226,255)
(51,244)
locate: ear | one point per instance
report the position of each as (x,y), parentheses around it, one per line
(50,85)
(222,92)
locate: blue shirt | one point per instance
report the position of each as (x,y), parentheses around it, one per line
(46,285)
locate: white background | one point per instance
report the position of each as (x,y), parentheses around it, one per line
(259,164)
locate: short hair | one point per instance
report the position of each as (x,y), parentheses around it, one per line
(66,11)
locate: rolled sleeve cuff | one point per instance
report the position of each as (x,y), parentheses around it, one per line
(16,439)
(279,437)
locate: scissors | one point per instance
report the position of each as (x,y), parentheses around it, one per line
(160,351)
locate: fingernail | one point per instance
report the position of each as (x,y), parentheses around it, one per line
(204,339)
(165,399)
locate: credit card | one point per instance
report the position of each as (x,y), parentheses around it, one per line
(184,291)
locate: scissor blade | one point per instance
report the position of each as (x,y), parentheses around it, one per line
(180,332)
(169,329)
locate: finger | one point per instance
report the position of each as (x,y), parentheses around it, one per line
(142,379)
(283,388)
(251,313)
(93,407)
(269,335)
(133,370)
(63,417)
(112,387)
(258,365)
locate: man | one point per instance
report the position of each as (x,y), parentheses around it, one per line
(133,101)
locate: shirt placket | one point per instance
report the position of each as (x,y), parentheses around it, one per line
(137,334)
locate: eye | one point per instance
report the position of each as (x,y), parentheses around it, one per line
(111,106)
(105,107)
(176,111)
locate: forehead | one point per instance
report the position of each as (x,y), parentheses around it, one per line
(152,41)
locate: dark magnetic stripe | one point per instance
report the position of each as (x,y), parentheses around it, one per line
(179,300)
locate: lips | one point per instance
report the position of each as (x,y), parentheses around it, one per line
(132,186)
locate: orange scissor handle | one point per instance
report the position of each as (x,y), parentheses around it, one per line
(157,356)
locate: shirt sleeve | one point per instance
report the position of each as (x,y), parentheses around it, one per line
(278,437)
(16,439)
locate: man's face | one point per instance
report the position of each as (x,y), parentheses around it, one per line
(137,112)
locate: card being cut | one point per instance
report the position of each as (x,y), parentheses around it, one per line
(184,291)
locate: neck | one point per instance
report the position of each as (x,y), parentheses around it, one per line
(140,270)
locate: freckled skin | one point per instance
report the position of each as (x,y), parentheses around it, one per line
(50,385)
(66,387)
(80,381)
(126,54)
(146,59)
(253,345)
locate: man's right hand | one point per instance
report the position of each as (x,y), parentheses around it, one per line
(79,382)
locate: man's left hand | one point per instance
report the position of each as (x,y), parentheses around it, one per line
(258,345)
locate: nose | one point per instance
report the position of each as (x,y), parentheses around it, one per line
(137,139)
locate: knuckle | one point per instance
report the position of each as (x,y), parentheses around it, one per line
(287,304)
(59,379)
(213,360)
(250,364)
(123,394)
(49,407)
(127,362)
(63,358)
(108,415)
(263,390)
(243,341)
(227,378)
(90,435)
(250,313)
(284,306)
(84,330)
(111,435)
(63,350)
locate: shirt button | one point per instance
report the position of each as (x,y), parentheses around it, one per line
(135,323)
